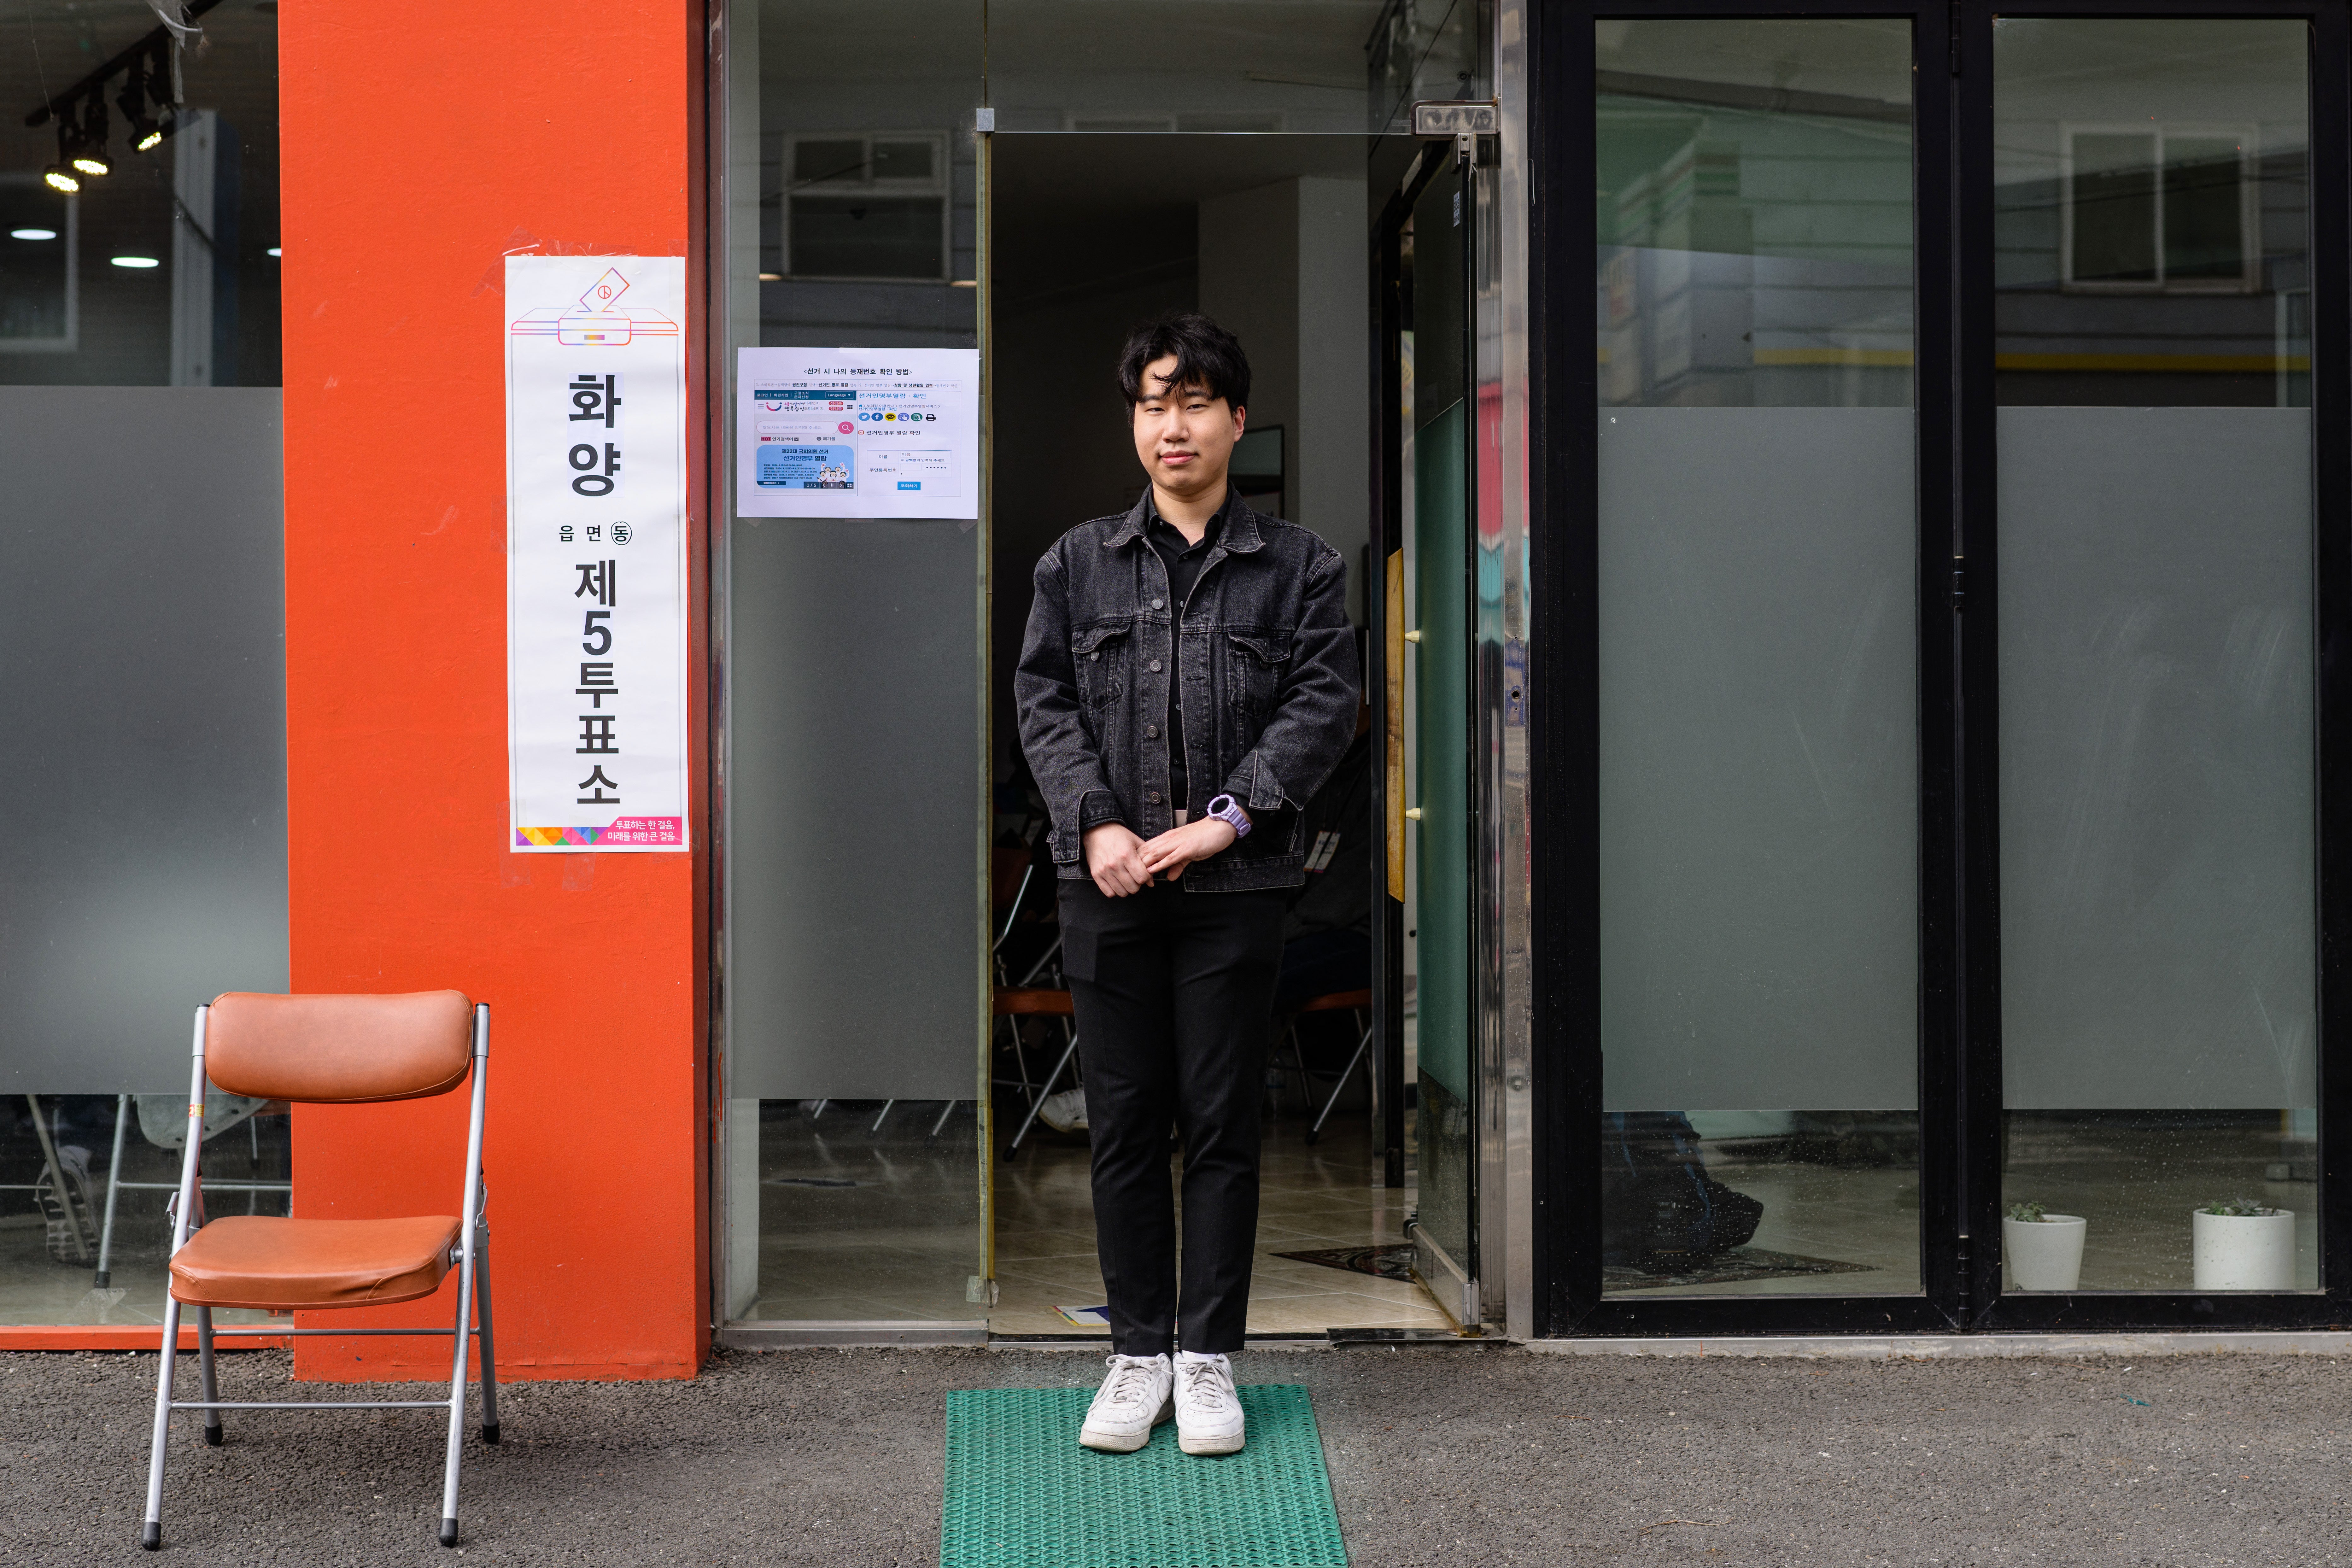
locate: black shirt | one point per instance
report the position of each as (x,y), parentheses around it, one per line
(1183,562)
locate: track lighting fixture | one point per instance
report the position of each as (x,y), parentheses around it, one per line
(139,94)
(149,99)
(86,149)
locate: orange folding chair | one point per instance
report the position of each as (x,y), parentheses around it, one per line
(334,1050)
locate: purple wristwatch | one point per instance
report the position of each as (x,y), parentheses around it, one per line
(1228,810)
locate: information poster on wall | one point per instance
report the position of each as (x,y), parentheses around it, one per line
(857,433)
(596,584)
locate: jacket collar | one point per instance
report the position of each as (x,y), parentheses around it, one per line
(1240,537)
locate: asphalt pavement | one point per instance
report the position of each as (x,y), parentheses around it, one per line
(1455,1455)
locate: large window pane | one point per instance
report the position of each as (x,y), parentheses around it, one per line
(1759,772)
(142,627)
(2159,1016)
(851,1136)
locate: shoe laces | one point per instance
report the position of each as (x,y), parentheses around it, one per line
(1130,1379)
(1206,1382)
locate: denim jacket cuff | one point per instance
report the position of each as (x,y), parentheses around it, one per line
(1254,784)
(1097,806)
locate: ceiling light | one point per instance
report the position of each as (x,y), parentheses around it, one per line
(60,178)
(86,144)
(772,278)
(140,95)
(32,233)
(139,262)
(275,250)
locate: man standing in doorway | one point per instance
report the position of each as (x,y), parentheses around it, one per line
(1187,682)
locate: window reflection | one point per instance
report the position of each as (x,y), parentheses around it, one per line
(1755,233)
(2151,185)
(84,1181)
(164,271)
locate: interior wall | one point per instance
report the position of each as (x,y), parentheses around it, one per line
(1093,235)
(1284,267)
(593,966)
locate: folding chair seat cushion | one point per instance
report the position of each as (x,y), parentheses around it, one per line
(1038,1001)
(259,1261)
(1338,1002)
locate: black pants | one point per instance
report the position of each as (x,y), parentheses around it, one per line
(1174,993)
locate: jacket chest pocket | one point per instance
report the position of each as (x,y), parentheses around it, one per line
(1256,663)
(1099,655)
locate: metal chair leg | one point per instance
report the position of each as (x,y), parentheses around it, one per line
(151,1535)
(489,1358)
(57,1178)
(1031,1119)
(945,1111)
(886,1111)
(1021,1060)
(205,1378)
(458,1399)
(113,1184)
(1362,1045)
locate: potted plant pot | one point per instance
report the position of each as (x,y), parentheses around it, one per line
(2247,1249)
(2044,1254)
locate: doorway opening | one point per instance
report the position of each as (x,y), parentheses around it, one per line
(1266,234)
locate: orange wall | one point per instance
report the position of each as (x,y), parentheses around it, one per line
(422,143)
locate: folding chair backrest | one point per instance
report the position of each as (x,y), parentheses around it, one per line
(339,1049)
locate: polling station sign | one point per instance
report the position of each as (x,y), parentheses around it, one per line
(596,578)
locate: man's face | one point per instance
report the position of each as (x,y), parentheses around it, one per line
(1183,438)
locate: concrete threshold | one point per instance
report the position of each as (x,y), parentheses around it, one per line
(1961,1347)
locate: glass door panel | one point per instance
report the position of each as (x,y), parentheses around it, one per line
(2154,563)
(1757,664)
(1444,804)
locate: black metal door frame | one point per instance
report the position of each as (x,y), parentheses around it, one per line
(1960,1099)
(1389,480)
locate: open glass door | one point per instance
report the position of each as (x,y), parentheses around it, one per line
(1433,270)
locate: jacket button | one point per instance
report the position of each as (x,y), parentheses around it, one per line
(1155,604)
(1151,732)
(1155,666)
(1096,656)
(1153,797)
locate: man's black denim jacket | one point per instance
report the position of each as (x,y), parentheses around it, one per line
(1265,661)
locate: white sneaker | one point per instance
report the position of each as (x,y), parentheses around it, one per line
(1066,1111)
(1132,1400)
(1208,1411)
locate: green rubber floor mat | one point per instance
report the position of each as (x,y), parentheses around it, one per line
(1021,1493)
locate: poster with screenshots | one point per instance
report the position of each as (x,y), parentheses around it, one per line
(857,433)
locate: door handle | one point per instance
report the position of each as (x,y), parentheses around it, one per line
(1413,814)
(1412,637)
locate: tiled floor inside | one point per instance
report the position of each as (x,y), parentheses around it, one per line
(861,1223)
(1313,1198)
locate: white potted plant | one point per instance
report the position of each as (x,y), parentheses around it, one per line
(2043,1250)
(2243,1246)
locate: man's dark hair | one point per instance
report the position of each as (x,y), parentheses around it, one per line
(1207,356)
